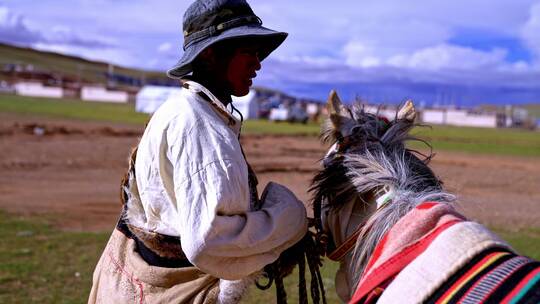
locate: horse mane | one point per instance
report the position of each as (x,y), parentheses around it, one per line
(375,157)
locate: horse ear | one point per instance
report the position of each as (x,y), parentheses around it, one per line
(407,111)
(336,111)
(334,102)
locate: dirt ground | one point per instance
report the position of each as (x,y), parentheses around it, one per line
(70,172)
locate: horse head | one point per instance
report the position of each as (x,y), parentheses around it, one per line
(369,179)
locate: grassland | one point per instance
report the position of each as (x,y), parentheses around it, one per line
(41,265)
(44,265)
(481,140)
(71,109)
(470,140)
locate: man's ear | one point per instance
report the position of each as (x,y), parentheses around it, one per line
(207,55)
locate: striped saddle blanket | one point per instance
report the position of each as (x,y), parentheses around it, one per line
(434,255)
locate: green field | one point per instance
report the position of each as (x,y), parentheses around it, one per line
(481,140)
(71,109)
(470,140)
(44,265)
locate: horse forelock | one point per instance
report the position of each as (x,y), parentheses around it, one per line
(332,185)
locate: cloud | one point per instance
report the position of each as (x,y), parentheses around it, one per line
(447,56)
(441,56)
(531,32)
(360,54)
(13,28)
(66,36)
(112,55)
(165,47)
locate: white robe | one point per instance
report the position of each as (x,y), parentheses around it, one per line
(192,181)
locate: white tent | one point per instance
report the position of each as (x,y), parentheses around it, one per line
(36,89)
(247,105)
(96,93)
(151,97)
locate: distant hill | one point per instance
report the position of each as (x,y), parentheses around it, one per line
(85,70)
(71,66)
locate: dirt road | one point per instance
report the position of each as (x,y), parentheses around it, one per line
(70,172)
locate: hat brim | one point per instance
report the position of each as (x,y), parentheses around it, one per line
(270,41)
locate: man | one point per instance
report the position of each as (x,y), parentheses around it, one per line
(192,221)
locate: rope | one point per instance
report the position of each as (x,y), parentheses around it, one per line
(302,292)
(307,249)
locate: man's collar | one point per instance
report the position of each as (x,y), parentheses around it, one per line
(199,89)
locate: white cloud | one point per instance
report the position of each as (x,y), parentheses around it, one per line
(438,57)
(315,61)
(9,19)
(531,32)
(112,55)
(65,35)
(360,54)
(165,47)
(13,28)
(446,56)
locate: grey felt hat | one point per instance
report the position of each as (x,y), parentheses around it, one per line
(209,21)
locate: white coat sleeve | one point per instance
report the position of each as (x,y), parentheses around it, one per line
(219,233)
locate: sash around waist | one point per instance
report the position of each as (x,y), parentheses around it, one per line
(156,249)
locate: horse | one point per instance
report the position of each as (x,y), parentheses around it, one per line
(395,232)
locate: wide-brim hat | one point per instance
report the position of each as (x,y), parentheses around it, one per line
(207,22)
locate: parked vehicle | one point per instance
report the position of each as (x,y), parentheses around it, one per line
(292,114)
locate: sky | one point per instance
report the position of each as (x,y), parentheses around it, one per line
(461,51)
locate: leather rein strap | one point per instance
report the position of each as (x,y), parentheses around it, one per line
(345,247)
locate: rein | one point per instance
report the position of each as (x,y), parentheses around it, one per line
(308,250)
(311,248)
(345,247)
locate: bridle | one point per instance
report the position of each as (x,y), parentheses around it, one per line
(337,254)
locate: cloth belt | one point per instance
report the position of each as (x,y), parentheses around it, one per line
(148,255)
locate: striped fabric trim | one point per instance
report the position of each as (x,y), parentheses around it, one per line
(494,276)
(479,267)
(482,289)
(523,287)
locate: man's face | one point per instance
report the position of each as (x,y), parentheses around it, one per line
(242,68)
